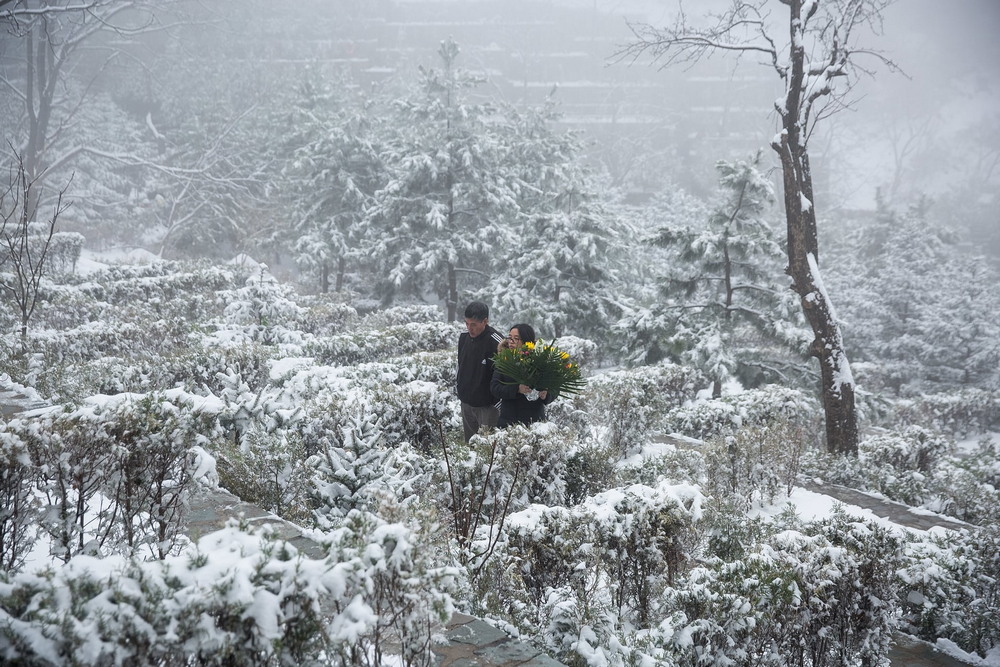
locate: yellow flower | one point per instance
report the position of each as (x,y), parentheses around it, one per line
(565,355)
(530,345)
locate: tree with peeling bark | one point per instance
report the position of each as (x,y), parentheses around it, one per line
(818,64)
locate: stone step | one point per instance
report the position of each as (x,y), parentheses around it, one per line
(470,641)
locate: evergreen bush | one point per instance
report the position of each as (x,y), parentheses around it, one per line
(625,405)
(729,413)
(950,588)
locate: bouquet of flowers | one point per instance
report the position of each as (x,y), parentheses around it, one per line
(540,366)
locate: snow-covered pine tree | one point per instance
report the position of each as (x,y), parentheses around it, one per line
(448,196)
(558,264)
(559,268)
(917,306)
(723,308)
(332,177)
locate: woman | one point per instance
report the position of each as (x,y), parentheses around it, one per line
(515,406)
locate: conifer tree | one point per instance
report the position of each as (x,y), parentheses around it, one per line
(332,179)
(723,308)
(447,194)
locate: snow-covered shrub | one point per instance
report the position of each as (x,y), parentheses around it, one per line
(229,370)
(237,599)
(405,315)
(581,631)
(267,470)
(157,282)
(646,536)
(576,569)
(951,588)
(265,307)
(676,465)
(246,409)
(383,344)
(822,596)
(729,413)
(416,412)
(539,453)
(390,590)
(493,475)
(17,504)
(326,314)
(115,473)
(437,367)
(201,369)
(351,468)
(571,414)
(477,491)
(727,532)
(756,463)
(625,405)
(96,339)
(914,450)
(160,290)
(589,470)
(70,362)
(67,306)
(968,487)
(959,414)
(61,250)
(63,253)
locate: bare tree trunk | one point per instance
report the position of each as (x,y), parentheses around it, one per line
(341,270)
(809,74)
(837,390)
(452,293)
(837,384)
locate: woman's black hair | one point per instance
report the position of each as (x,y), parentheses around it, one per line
(526,332)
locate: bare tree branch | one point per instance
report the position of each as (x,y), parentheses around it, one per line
(817,66)
(22,249)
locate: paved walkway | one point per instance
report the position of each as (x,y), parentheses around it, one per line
(475,643)
(895,512)
(907,651)
(471,641)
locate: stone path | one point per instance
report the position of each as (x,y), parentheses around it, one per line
(471,642)
(13,400)
(886,509)
(907,651)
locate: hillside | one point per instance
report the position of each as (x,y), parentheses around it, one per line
(643,523)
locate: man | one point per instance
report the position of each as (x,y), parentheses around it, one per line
(475,369)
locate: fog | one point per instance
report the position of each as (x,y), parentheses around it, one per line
(930,129)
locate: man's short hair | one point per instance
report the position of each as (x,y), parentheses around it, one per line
(477,310)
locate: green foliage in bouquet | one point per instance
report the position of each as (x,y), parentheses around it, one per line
(541,366)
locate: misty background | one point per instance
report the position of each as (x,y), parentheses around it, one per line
(269,217)
(930,130)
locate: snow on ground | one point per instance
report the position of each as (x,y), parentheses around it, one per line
(969,445)
(813,506)
(91,261)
